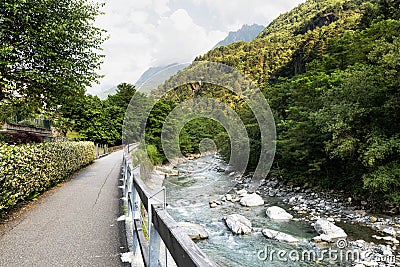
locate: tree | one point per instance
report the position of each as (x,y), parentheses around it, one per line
(48,52)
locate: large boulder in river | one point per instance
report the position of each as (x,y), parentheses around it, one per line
(195,231)
(251,200)
(328,231)
(279,236)
(277,213)
(238,224)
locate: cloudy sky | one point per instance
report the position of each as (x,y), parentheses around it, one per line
(146,33)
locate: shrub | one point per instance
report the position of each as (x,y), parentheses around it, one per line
(28,170)
(154,156)
(20,138)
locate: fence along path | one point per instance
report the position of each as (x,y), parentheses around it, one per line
(146,206)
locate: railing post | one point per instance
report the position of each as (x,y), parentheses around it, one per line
(155,241)
(154,237)
(135,213)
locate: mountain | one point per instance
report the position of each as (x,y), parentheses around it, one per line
(155,76)
(104,94)
(246,34)
(292,40)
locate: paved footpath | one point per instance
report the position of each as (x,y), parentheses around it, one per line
(72,225)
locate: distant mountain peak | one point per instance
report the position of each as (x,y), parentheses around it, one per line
(245,33)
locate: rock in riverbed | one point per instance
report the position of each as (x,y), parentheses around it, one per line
(195,231)
(279,236)
(277,213)
(238,224)
(328,231)
(252,200)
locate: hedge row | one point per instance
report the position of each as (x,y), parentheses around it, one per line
(28,170)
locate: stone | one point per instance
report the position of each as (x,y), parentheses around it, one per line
(241,192)
(213,205)
(228,197)
(279,236)
(373,219)
(195,231)
(369,263)
(328,231)
(389,231)
(277,213)
(391,239)
(238,224)
(252,200)
(362,213)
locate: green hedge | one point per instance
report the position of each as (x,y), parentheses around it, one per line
(28,170)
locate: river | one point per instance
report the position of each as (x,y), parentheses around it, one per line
(202,180)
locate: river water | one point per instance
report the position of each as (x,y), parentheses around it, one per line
(201,180)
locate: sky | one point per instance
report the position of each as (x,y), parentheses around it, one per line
(150,33)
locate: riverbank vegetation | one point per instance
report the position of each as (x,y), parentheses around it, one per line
(330,72)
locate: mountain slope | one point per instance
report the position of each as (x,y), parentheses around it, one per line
(290,41)
(246,34)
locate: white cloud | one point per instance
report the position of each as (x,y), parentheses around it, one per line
(159,32)
(181,36)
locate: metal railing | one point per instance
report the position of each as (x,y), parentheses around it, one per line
(152,224)
(101,150)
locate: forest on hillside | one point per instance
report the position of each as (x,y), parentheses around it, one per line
(330,73)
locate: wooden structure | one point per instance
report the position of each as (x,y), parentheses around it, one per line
(15,128)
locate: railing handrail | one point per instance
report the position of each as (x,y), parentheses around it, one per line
(182,249)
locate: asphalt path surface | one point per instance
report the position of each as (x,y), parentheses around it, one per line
(71,225)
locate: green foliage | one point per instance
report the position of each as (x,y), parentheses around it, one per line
(98,120)
(154,155)
(27,170)
(291,41)
(48,53)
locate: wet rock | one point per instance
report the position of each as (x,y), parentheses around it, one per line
(292,200)
(279,236)
(195,231)
(277,213)
(328,231)
(252,200)
(238,224)
(373,219)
